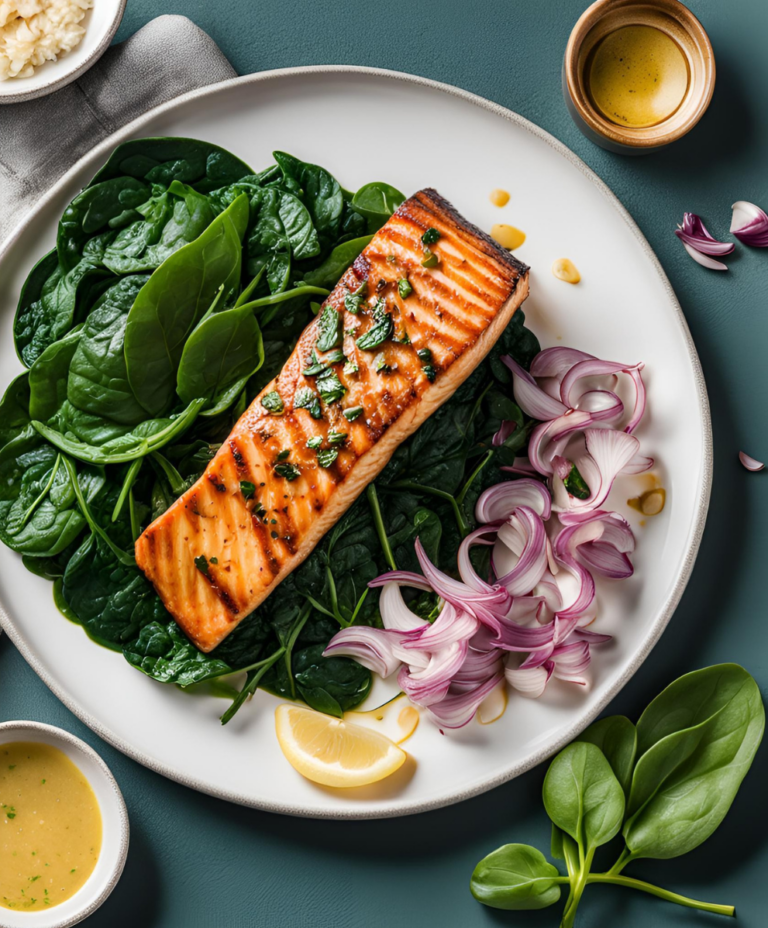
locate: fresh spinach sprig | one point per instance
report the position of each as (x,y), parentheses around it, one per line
(666,784)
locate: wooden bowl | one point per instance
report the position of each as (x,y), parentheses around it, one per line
(669,16)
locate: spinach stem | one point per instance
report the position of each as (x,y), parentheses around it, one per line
(130,478)
(295,632)
(621,863)
(252,684)
(486,458)
(577,888)
(174,478)
(334,597)
(661,893)
(43,493)
(321,608)
(285,295)
(422,488)
(373,500)
(135,523)
(359,606)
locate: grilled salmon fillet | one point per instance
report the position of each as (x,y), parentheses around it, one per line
(275,487)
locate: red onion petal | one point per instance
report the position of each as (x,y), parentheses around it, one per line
(395,615)
(750,463)
(695,233)
(498,502)
(529,681)
(556,362)
(529,396)
(507,427)
(371,647)
(458,709)
(749,224)
(532,562)
(705,260)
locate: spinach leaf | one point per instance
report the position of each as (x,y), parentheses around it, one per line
(377,201)
(222,353)
(583,797)
(696,741)
(164,653)
(50,302)
(516,876)
(49,376)
(98,378)
(14,409)
(330,684)
(616,737)
(338,261)
(173,301)
(320,193)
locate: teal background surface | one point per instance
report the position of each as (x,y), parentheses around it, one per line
(196,862)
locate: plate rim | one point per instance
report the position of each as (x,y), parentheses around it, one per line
(394,808)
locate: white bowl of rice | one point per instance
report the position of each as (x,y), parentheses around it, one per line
(46,44)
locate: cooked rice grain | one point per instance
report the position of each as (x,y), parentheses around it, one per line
(35,31)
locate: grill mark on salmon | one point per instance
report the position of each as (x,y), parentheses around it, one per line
(456,310)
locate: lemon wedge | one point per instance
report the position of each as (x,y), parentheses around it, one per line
(332,752)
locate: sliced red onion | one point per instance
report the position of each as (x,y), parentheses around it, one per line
(591,637)
(466,571)
(477,667)
(402,578)
(427,685)
(596,368)
(450,626)
(395,615)
(749,224)
(458,709)
(609,452)
(525,528)
(549,439)
(638,465)
(507,427)
(371,647)
(694,233)
(529,396)
(705,260)
(750,463)
(556,362)
(521,466)
(571,662)
(529,681)
(497,503)
(600,543)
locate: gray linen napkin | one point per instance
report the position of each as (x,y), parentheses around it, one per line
(167,57)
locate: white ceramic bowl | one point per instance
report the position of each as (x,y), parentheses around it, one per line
(114,816)
(101,24)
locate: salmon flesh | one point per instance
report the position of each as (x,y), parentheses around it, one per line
(257,512)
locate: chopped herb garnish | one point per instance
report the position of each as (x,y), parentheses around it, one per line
(381,329)
(380,363)
(330,387)
(214,560)
(314,367)
(282,455)
(202,564)
(336,438)
(404,339)
(10,815)
(430,259)
(354,300)
(327,457)
(329,327)
(275,534)
(354,412)
(273,521)
(308,399)
(391,259)
(431,236)
(425,354)
(289,471)
(335,357)
(429,372)
(575,484)
(315,441)
(273,403)
(404,288)
(350,368)
(247,488)
(351,330)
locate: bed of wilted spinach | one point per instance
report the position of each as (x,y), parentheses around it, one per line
(179,285)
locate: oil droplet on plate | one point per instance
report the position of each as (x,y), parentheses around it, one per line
(565,269)
(499,197)
(507,236)
(395,720)
(649,503)
(493,706)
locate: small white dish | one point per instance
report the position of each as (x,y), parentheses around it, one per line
(100,24)
(114,817)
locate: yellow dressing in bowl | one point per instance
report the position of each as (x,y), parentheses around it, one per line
(50,826)
(638,76)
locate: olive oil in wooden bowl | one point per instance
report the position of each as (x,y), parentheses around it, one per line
(637,75)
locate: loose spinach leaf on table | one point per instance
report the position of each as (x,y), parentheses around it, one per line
(516,876)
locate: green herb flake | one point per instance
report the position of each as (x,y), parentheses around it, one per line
(11,766)
(247,488)
(329,329)
(274,534)
(336,438)
(288,471)
(283,455)
(431,236)
(314,367)
(380,363)
(309,400)
(354,300)
(380,331)
(575,484)
(353,412)
(335,357)
(404,339)
(391,259)
(330,387)
(214,560)
(429,372)
(350,369)
(273,403)
(404,288)
(425,355)
(430,259)
(202,565)
(315,441)
(326,457)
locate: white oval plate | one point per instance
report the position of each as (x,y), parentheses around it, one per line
(115,834)
(369,125)
(100,24)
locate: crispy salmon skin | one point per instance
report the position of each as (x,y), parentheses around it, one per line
(326,426)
